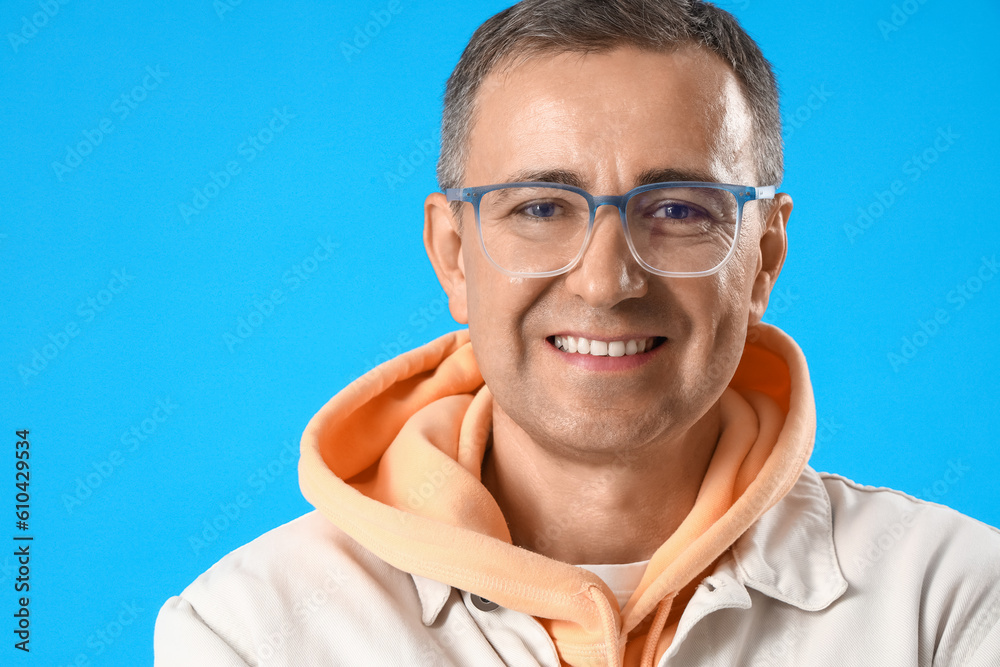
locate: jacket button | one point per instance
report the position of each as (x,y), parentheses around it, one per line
(482,604)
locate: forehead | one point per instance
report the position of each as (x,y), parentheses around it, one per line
(611,116)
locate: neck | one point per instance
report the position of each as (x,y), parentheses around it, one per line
(618,508)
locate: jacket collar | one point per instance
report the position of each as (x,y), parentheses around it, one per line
(788,555)
(433,595)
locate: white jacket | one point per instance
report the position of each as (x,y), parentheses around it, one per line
(834,574)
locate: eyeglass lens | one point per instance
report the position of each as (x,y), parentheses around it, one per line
(539,229)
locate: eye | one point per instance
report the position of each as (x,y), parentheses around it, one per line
(673,211)
(540,210)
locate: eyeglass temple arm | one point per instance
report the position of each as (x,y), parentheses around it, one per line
(765,191)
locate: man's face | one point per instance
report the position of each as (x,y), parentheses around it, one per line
(608,120)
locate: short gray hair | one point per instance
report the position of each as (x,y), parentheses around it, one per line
(535,27)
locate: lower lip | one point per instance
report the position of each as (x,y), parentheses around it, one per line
(605,363)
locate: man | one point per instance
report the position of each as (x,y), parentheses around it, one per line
(609,467)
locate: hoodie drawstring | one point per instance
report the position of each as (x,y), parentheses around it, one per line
(656,629)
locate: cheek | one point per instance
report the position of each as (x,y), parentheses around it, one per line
(717,307)
(733,299)
(735,280)
(498,307)
(484,290)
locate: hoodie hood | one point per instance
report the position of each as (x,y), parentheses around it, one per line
(394,461)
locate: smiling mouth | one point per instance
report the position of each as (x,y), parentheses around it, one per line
(605,348)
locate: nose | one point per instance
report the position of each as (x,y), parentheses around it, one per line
(607,273)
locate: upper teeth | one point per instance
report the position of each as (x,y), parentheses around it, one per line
(603,348)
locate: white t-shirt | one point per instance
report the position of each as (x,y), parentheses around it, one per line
(621,578)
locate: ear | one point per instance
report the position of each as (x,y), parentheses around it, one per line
(772,250)
(443,241)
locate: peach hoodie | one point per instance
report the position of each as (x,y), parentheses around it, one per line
(394,461)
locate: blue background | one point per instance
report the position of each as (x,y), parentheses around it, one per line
(868,87)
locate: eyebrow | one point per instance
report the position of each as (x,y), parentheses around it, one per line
(563,176)
(667,175)
(567,177)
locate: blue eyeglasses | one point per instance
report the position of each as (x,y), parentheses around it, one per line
(676,229)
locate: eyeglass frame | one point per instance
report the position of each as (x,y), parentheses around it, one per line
(742,193)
